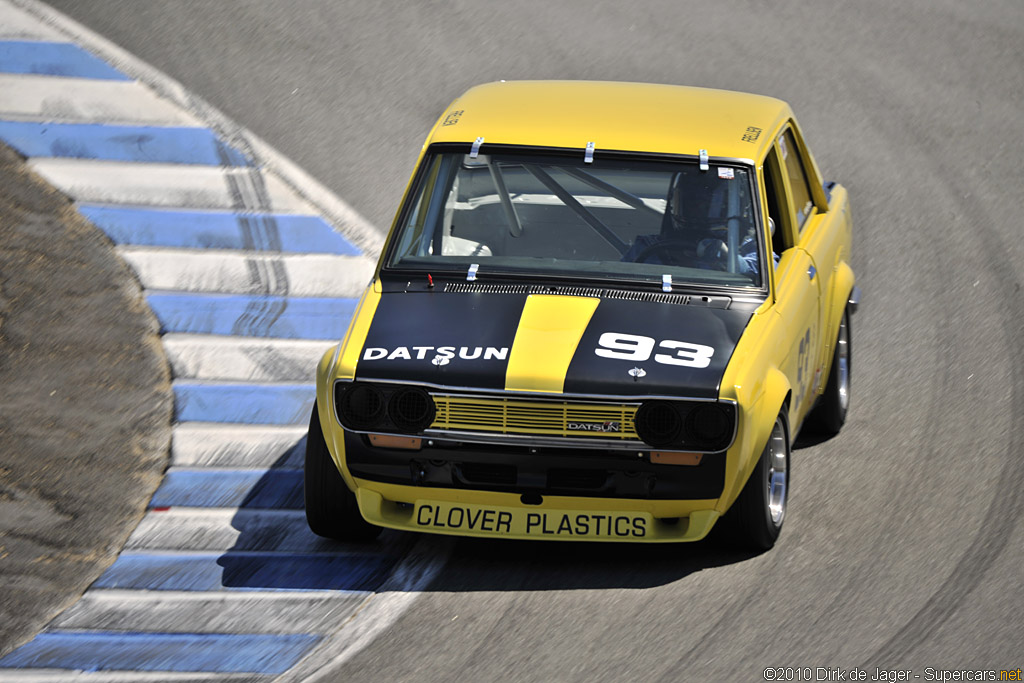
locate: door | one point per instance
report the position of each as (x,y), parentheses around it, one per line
(797,294)
(819,234)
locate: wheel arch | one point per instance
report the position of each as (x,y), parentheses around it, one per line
(330,431)
(774,399)
(842,290)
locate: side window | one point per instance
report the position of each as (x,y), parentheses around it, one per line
(794,165)
(773,187)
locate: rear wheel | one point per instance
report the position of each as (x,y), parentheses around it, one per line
(830,413)
(331,509)
(755,519)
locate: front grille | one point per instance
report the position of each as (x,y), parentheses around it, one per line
(522,416)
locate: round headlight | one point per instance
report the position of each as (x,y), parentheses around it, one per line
(411,409)
(658,423)
(708,425)
(359,405)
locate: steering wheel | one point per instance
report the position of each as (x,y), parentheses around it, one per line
(672,252)
(713,254)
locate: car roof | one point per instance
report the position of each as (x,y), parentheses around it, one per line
(641,117)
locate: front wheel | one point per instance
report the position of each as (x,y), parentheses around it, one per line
(755,519)
(331,508)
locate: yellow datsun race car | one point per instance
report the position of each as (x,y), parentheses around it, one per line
(602,313)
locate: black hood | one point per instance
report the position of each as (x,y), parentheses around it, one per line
(466,340)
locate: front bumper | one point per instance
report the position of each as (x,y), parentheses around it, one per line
(537,471)
(559,518)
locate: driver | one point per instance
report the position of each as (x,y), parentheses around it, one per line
(710,253)
(691,226)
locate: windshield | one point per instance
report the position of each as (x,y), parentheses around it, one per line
(537,214)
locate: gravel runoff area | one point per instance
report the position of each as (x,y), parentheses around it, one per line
(85,403)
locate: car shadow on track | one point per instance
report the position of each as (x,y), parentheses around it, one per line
(808,439)
(275,550)
(500,565)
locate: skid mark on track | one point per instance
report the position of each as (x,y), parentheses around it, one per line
(1006,505)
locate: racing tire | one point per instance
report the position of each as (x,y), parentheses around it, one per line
(755,520)
(331,508)
(829,414)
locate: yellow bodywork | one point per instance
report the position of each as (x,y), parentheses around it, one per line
(558,518)
(635,117)
(545,342)
(760,376)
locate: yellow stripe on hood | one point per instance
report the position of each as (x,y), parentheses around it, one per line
(549,332)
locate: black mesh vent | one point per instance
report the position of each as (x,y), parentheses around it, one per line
(479,288)
(658,423)
(577,479)
(411,409)
(626,295)
(657,297)
(566,291)
(483,473)
(360,406)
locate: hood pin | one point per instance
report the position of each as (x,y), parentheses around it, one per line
(637,373)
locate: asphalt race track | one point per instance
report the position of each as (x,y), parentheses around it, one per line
(903,548)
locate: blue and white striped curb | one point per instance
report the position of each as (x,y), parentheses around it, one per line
(252,270)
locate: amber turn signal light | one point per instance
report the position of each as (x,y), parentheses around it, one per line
(408,443)
(676,458)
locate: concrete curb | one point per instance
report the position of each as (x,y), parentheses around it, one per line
(239,254)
